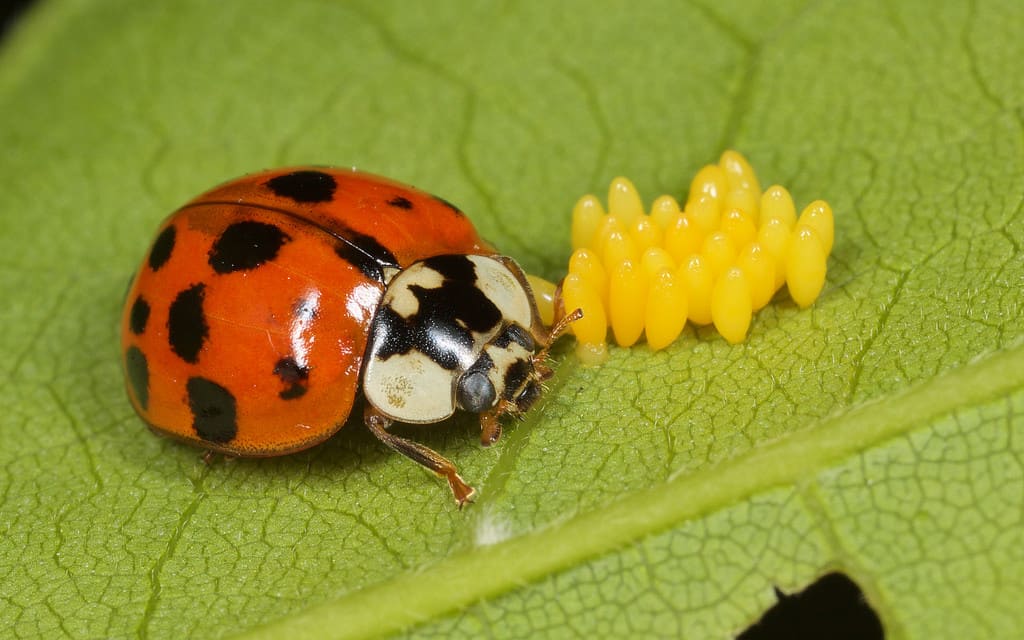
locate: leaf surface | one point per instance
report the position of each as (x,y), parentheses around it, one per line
(662,494)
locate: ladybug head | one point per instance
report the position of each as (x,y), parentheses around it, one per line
(457,332)
(505,372)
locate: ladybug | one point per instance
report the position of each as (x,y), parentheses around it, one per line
(264,303)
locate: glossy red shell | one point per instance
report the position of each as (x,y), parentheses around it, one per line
(252,320)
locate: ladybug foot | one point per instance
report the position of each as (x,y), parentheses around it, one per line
(463,492)
(490,428)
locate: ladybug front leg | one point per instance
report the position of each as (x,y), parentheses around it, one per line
(490,426)
(378,424)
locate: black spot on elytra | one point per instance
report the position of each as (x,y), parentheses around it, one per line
(186,324)
(137,371)
(246,245)
(365,253)
(304,186)
(400,202)
(214,412)
(832,607)
(162,247)
(139,316)
(293,375)
(451,206)
(442,326)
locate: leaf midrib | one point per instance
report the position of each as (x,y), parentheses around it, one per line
(486,572)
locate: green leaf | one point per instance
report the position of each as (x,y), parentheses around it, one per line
(661,494)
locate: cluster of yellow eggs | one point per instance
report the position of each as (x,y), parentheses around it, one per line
(718,259)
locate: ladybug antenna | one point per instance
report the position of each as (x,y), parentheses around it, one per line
(556,330)
(560,327)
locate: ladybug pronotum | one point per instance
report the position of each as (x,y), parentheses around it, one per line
(264,303)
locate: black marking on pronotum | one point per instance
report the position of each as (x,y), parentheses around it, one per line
(304,186)
(186,324)
(517,334)
(360,250)
(294,375)
(400,202)
(246,245)
(516,376)
(456,268)
(138,316)
(137,370)
(214,412)
(447,315)
(451,206)
(367,254)
(162,247)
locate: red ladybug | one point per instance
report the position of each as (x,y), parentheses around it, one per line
(263,304)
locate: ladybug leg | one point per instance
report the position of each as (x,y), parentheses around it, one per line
(377,423)
(490,427)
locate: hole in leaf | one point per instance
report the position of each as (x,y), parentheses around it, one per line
(832,607)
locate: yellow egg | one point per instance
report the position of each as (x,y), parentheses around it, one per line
(696,275)
(818,216)
(666,310)
(624,201)
(710,181)
(586,264)
(544,296)
(656,259)
(746,201)
(759,267)
(605,228)
(705,212)
(774,236)
(805,266)
(731,305)
(664,210)
(738,172)
(645,234)
(738,226)
(683,238)
(777,203)
(720,252)
(587,216)
(719,259)
(627,300)
(577,293)
(618,247)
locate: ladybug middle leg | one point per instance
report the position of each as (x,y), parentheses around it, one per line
(377,423)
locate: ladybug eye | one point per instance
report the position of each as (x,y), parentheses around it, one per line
(528,396)
(476,393)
